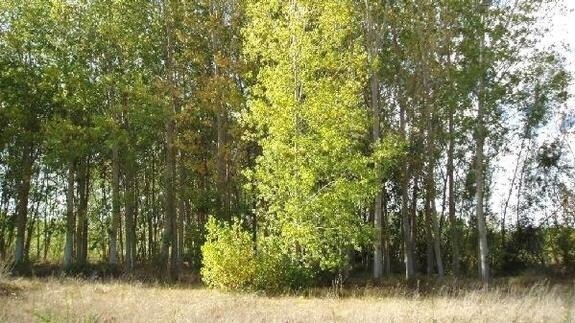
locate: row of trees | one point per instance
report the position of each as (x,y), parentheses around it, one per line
(340,134)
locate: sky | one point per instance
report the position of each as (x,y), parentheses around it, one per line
(562,33)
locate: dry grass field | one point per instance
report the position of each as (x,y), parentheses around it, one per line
(73,300)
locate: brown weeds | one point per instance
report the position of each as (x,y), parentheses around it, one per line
(72,300)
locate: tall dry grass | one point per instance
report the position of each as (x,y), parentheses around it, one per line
(69,300)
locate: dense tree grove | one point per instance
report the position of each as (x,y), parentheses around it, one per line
(282,143)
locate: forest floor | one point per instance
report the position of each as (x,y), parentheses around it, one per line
(76,300)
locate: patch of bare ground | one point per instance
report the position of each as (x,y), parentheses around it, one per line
(74,300)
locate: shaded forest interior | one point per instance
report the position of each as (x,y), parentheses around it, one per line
(280,144)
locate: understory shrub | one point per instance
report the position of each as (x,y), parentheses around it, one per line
(231,261)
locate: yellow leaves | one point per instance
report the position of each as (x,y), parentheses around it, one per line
(307,110)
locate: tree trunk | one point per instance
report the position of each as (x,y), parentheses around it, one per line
(455,261)
(406,222)
(385,232)
(433,224)
(413,214)
(70,218)
(30,232)
(221,123)
(169,244)
(113,260)
(181,217)
(480,135)
(407,234)
(481,225)
(22,204)
(3,219)
(35,212)
(103,211)
(428,239)
(376,133)
(82,226)
(169,239)
(130,232)
(151,215)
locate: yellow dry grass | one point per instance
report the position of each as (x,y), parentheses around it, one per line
(69,300)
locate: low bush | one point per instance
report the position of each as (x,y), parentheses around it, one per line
(231,261)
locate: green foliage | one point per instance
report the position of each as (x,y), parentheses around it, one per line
(229,259)
(277,270)
(313,176)
(560,240)
(523,250)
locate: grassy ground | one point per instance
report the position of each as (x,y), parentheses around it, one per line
(74,300)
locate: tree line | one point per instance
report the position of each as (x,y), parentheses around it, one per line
(308,138)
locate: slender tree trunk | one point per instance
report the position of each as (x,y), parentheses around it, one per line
(22,204)
(436,231)
(113,260)
(375,116)
(70,216)
(130,232)
(41,191)
(385,232)
(169,234)
(39,235)
(481,224)
(406,222)
(151,215)
(30,231)
(82,226)
(480,135)
(169,243)
(3,219)
(428,239)
(433,224)
(103,211)
(413,214)
(455,261)
(181,217)
(47,230)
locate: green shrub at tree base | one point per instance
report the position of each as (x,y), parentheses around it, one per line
(231,261)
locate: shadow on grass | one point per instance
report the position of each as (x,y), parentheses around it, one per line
(357,286)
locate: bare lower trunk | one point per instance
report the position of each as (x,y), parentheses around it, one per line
(433,223)
(82,226)
(378,242)
(3,219)
(479,160)
(385,231)
(113,260)
(30,231)
(130,232)
(407,229)
(70,216)
(22,205)
(455,261)
(169,242)
(481,225)
(169,250)
(152,215)
(437,241)
(428,240)
(375,116)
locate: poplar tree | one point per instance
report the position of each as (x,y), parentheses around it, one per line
(312,177)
